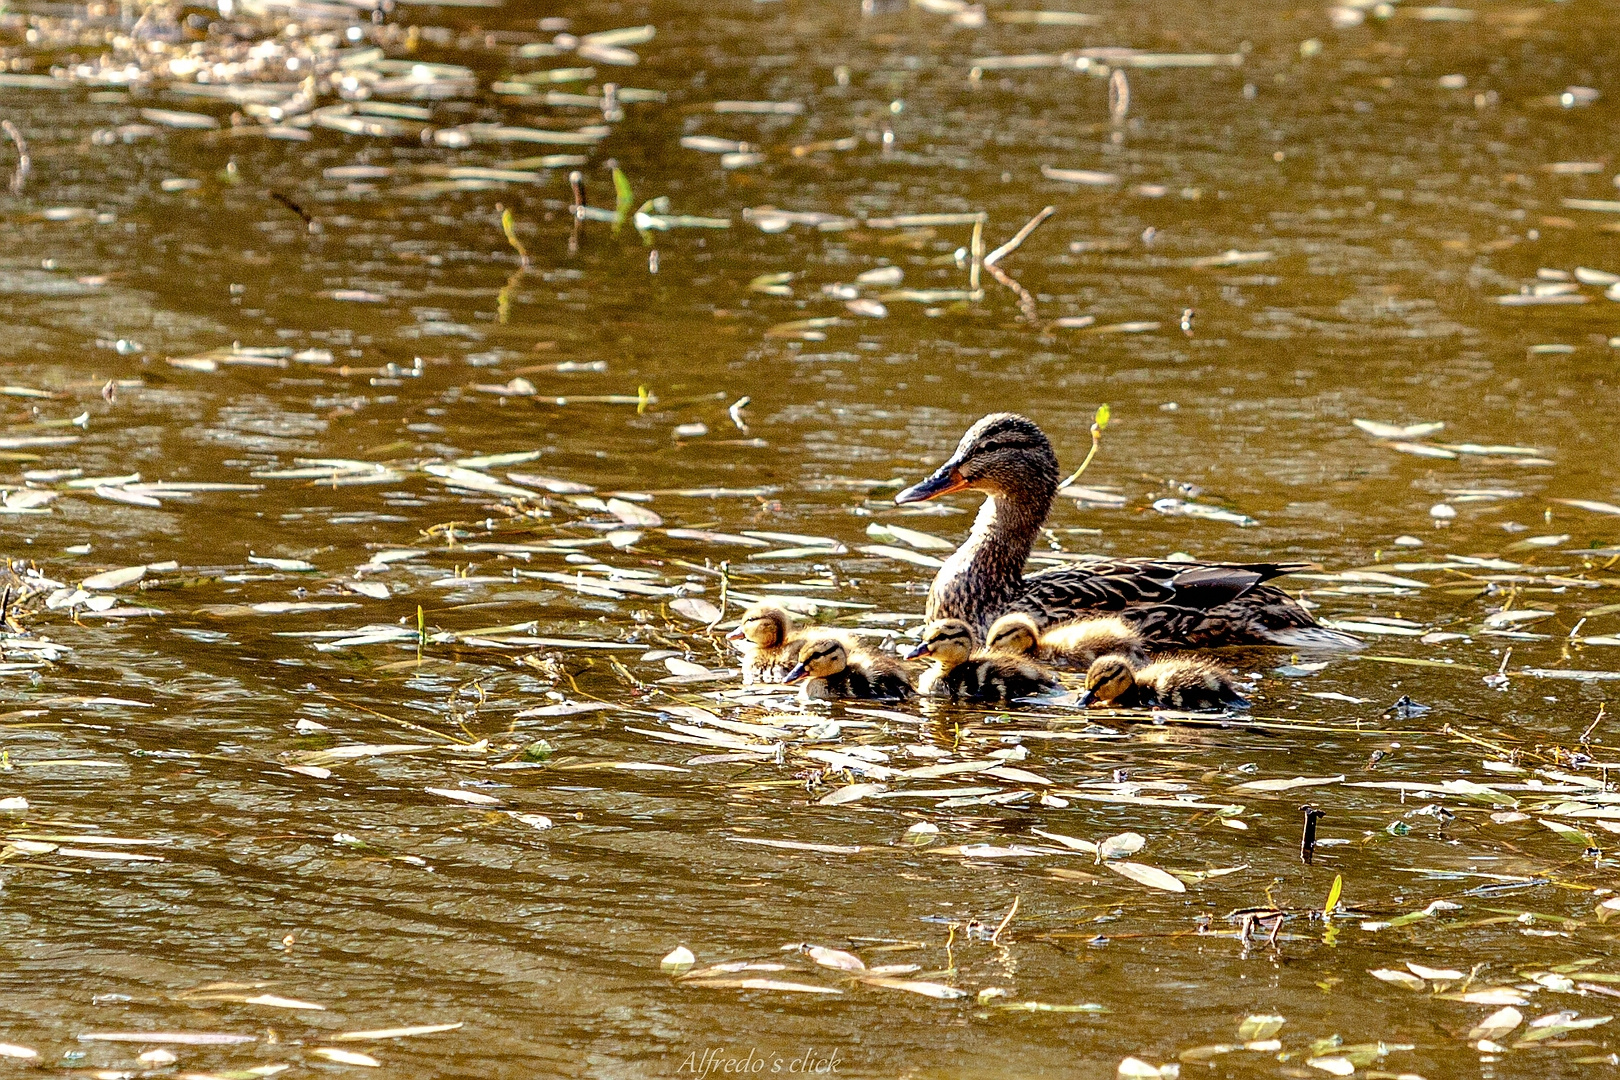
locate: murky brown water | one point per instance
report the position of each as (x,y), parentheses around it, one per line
(1395,208)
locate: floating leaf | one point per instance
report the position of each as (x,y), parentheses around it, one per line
(677,960)
(114,579)
(763,984)
(1289,785)
(1127,843)
(474,797)
(346,1057)
(911,986)
(1433,974)
(395,1033)
(1399,978)
(850,793)
(1260,1026)
(837,959)
(1150,876)
(1499,1023)
(696,609)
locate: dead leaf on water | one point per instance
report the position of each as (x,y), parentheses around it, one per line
(394,1033)
(1151,876)
(912,986)
(762,984)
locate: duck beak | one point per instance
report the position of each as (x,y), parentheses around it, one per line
(946,479)
(1085,699)
(735,635)
(796,674)
(917,653)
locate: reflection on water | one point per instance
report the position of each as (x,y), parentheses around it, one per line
(291,366)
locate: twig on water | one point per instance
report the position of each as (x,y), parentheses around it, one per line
(1099,423)
(995,938)
(1026,302)
(24,162)
(1019,237)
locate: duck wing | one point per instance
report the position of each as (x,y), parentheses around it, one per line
(1265,615)
(1069,592)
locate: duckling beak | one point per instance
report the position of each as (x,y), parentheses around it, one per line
(917,653)
(946,479)
(736,635)
(796,674)
(1085,699)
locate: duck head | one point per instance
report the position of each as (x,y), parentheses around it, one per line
(765,625)
(819,659)
(1016,634)
(1002,454)
(1107,680)
(947,641)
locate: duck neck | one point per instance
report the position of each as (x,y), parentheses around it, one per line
(986,573)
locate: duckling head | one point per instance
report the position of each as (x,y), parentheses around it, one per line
(947,641)
(820,658)
(765,625)
(1016,634)
(1108,679)
(1004,453)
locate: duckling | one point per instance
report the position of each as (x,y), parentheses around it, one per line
(960,673)
(830,670)
(1010,460)
(1078,643)
(769,643)
(1177,682)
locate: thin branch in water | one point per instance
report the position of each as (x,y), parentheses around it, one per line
(1019,237)
(1026,302)
(576,181)
(995,938)
(309,222)
(976,255)
(1098,424)
(24,162)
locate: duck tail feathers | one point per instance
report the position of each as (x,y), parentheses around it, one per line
(1313,638)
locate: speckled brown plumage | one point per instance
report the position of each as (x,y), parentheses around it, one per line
(1188,683)
(1010,460)
(959,673)
(830,670)
(1071,644)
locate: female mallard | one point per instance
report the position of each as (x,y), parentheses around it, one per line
(1177,682)
(1010,459)
(1077,643)
(958,673)
(830,670)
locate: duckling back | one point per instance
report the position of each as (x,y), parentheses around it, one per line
(995,677)
(1081,642)
(1189,683)
(882,677)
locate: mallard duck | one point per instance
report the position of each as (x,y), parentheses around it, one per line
(768,642)
(1075,643)
(960,673)
(1177,682)
(1010,460)
(829,670)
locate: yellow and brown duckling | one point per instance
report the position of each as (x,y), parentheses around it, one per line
(769,644)
(831,670)
(1076,644)
(960,673)
(1009,460)
(1177,682)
